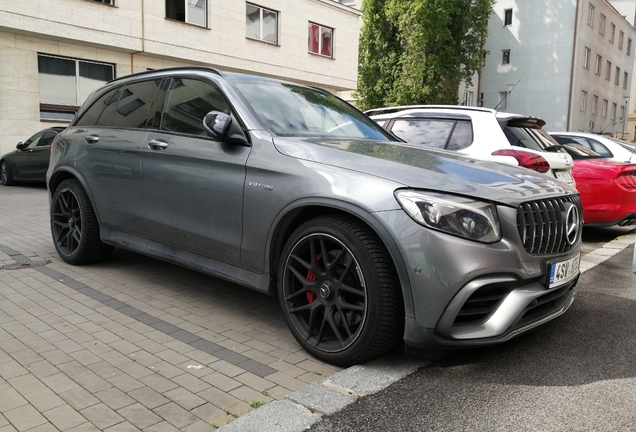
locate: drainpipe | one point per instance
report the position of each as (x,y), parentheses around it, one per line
(143,38)
(576,21)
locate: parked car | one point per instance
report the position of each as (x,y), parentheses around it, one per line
(480,133)
(288,190)
(608,147)
(30,160)
(607,188)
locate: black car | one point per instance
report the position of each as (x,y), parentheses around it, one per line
(31,159)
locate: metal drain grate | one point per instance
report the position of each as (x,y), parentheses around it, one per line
(23,265)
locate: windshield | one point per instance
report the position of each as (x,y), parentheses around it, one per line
(291,110)
(578,151)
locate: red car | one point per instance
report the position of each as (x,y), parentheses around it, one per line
(607,188)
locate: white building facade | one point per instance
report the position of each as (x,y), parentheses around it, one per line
(53,53)
(569,62)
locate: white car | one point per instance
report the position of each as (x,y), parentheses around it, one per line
(480,133)
(608,147)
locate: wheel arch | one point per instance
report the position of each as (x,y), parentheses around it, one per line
(67,173)
(301,211)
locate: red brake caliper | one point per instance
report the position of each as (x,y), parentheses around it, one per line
(311,296)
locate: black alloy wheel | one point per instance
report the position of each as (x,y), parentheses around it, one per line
(339,291)
(74,226)
(5,174)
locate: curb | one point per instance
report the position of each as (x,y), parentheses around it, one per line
(299,410)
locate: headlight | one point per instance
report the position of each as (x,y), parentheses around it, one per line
(456,215)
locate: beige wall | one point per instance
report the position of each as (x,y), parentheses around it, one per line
(135,36)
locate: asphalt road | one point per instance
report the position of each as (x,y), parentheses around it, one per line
(576,373)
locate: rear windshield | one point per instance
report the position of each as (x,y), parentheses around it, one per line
(533,138)
(291,110)
(578,151)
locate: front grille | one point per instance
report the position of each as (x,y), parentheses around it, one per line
(542,225)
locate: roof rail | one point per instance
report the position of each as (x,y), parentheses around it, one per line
(183,68)
(458,107)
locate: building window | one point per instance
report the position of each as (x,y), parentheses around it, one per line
(608,70)
(189,11)
(622,117)
(629,46)
(468,98)
(612,32)
(107,2)
(503,101)
(601,25)
(508,17)
(583,101)
(321,40)
(505,57)
(598,65)
(586,58)
(621,36)
(604,109)
(613,111)
(625,79)
(617,77)
(590,15)
(261,24)
(594,105)
(66,83)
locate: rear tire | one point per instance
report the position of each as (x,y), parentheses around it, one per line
(74,226)
(339,291)
(5,174)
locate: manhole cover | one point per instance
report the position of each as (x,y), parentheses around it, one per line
(23,265)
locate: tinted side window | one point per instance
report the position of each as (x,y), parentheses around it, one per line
(33,141)
(431,133)
(462,136)
(90,116)
(187,102)
(133,107)
(47,139)
(601,149)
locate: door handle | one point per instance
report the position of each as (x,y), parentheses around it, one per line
(157,144)
(91,139)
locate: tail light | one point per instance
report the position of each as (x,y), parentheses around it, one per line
(627,180)
(525,159)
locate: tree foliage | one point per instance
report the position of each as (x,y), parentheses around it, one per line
(419,51)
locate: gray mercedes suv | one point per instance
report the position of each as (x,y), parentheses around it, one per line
(288,190)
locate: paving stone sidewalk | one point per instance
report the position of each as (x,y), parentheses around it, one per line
(132,343)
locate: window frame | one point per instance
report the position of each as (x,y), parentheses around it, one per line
(508,17)
(617,77)
(604,108)
(586,58)
(612,32)
(601,25)
(625,79)
(583,101)
(599,64)
(594,105)
(62,108)
(320,39)
(621,38)
(505,57)
(106,2)
(260,38)
(614,109)
(590,15)
(608,70)
(628,50)
(185,12)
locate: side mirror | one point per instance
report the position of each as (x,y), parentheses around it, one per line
(222,127)
(19,145)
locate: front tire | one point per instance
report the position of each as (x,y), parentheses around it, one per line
(74,226)
(5,174)
(339,291)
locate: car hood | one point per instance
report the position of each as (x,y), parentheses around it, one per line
(417,167)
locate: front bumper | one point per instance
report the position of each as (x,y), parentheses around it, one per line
(462,293)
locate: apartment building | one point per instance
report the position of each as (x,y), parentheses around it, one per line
(54,53)
(569,62)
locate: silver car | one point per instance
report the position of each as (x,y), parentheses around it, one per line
(290,191)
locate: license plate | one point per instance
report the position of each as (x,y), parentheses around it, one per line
(564,271)
(564,176)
